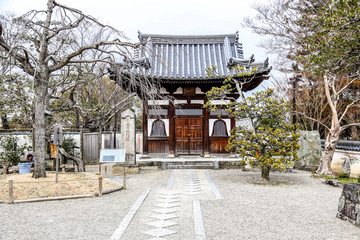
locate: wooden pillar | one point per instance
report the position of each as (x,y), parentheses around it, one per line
(232,122)
(206,139)
(145,130)
(171,130)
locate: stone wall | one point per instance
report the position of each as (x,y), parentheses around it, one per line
(349,203)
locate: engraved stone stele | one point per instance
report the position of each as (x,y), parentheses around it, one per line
(128,143)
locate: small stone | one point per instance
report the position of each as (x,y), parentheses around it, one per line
(341,205)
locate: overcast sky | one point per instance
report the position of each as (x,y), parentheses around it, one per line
(186,17)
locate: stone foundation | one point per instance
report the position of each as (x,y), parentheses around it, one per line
(349,203)
(118,169)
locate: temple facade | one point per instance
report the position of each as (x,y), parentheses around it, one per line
(176,123)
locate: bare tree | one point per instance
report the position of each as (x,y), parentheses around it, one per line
(318,39)
(43,45)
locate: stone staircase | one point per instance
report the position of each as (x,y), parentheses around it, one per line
(189,165)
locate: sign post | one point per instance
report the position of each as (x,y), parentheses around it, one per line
(58,143)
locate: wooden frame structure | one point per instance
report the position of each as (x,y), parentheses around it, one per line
(177,64)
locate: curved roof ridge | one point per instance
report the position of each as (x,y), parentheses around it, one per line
(188,38)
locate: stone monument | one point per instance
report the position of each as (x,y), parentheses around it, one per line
(310,150)
(128,142)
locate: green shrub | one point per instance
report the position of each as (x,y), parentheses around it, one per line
(343,175)
(10,152)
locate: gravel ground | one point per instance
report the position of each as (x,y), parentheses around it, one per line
(88,218)
(292,206)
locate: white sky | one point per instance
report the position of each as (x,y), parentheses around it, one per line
(186,17)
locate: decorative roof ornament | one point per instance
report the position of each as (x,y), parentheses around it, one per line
(140,36)
(242,62)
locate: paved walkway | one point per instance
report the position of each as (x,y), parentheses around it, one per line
(173,212)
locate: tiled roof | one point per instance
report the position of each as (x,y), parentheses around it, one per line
(188,57)
(345,145)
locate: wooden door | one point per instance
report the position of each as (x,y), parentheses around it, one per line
(188,136)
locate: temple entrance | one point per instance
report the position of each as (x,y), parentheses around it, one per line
(188,136)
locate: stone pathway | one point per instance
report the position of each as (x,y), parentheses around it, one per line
(173,212)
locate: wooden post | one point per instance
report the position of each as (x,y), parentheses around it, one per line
(5,169)
(11,192)
(105,170)
(81,143)
(171,130)
(57,164)
(145,130)
(124,179)
(100,186)
(206,114)
(100,146)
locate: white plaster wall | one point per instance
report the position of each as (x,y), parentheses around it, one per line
(245,122)
(197,101)
(339,159)
(163,91)
(180,101)
(211,125)
(198,91)
(179,90)
(158,102)
(166,122)
(220,102)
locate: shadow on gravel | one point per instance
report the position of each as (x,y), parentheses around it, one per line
(254,177)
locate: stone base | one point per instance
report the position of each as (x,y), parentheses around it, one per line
(349,204)
(171,156)
(144,156)
(206,156)
(117,169)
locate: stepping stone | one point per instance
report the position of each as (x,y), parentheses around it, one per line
(168,197)
(192,193)
(167,205)
(159,232)
(165,210)
(192,188)
(168,201)
(164,216)
(162,224)
(169,193)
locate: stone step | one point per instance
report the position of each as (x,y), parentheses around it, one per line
(189,165)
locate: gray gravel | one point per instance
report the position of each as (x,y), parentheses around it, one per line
(293,206)
(88,218)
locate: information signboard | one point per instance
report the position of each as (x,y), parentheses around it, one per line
(112,155)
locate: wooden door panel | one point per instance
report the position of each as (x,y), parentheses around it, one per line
(188,135)
(196,140)
(181,136)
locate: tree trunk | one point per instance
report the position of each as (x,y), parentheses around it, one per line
(355,133)
(329,150)
(265,173)
(5,122)
(79,162)
(39,131)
